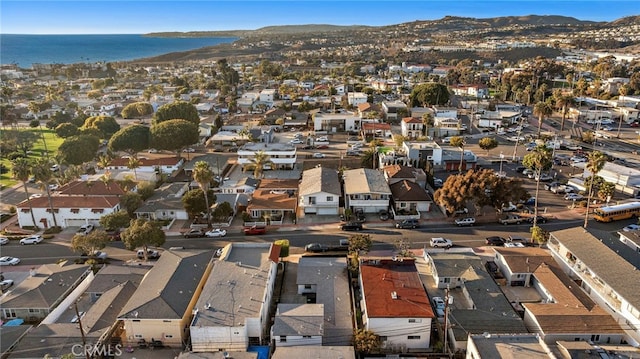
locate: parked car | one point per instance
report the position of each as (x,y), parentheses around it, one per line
(440,242)
(84,230)
(9,261)
(254,230)
(318,155)
(322,147)
(384,215)
(296,141)
(540,219)
(573,197)
(460,211)
(55,168)
(495,241)
(438,305)
(544,177)
(194,233)
(322,139)
(34,239)
(6,284)
(4,240)
(315,248)
(408,223)
(151,254)
(510,207)
(216,232)
(468,221)
(353,153)
(631,227)
(96,255)
(527,172)
(351,226)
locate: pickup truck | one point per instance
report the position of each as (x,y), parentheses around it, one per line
(511,219)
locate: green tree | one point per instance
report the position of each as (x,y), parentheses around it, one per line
(89,243)
(77,150)
(174,135)
(258,162)
(136,110)
(203,175)
(177,110)
(23,139)
(540,159)
(131,139)
(195,202)
(360,243)
(284,247)
(131,201)
(542,110)
(44,177)
(539,235)
(458,141)
(66,129)
(146,189)
(132,164)
(222,211)
(488,143)
(142,233)
(368,158)
(107,125)
(22,171)
(427,122)
(429,94)
(606,191)
(595,163)
(115,220)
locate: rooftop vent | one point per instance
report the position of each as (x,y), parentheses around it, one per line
(394,295)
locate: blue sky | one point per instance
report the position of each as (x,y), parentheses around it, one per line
(143,16)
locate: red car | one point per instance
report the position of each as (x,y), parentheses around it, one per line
(321,147)
(255,230)
(635,124)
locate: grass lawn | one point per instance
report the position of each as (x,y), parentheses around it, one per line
(52,141)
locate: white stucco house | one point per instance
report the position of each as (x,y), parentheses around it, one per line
(70,211)
(336,122)
(320,191)
(366,190)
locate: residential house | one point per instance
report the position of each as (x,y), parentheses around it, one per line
(218,164)
(324,281)
(90,189)
(369,110)
(626,179)
(273,205)
(631,239)
(507,346)
(282,155)
(268,95)
(356,98)
(314,351)
(495,119)
(395,305)
(320,191)
(161,165)
(70,211)
(398,173)
(476,295)
(336,122)
(454,157)
(366,190)
(376,129)
(232,311)
(392,108)
(45,288)
(162,306)
(566,312)
(298,325)
(274,114)
(244,185)
(98,306)
(518,264)
(420,152)
(447,126)
(412,127)
(165,203)
(604,271)
(409,199)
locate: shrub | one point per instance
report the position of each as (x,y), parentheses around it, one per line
(53,230)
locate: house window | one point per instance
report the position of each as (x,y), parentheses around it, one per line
(304,336)
(136,320)
(168,321)
(383,338)
(410,337)
(312,200)
(415,320)
(34,310)
(138,336)
(9,313)
(283,339)
(306,286)
(97,210)
(169,335)
(25,210)
(329,198)
(402,204)
(55,210)
(75,210)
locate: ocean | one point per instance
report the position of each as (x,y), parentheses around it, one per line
(25,50)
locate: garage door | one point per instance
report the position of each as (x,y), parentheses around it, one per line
(310,210)
(75,222)
(328,211)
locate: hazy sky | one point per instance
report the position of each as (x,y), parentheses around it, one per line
(143,16)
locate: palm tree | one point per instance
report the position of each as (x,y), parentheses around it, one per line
(427,121)
(595,163)
(542,110)
(458,141)
(259,161)
(538,160)
(44,177)
(563,102)
(22,171)
(203,175)
(132,164)
(104,161)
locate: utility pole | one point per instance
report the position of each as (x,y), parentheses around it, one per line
(84,339)
(447,300)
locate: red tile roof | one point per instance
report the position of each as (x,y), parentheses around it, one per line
(91,188)
(411,120)
(279,184)
(265,200)
(72,202)
(380,282)
(370,126)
